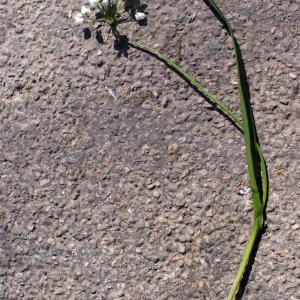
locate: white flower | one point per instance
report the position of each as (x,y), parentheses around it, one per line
(79,20)
(105,2)
(93,3)
(85,10)
(78,17)
(139,16)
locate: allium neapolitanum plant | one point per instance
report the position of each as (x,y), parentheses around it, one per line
(112,13)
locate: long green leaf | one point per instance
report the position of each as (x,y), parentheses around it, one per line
(188,78)
(235,118)
(254,155)
(253,160)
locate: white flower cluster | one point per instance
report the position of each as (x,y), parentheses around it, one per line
(84,14)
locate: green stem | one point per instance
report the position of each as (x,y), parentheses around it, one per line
(256,229)
(264,171)
(188,78)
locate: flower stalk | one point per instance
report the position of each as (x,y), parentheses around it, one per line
(109,14)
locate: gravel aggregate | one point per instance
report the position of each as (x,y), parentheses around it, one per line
(118,181)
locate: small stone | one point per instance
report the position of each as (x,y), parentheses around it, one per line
(293,75)
(138,250)
(30,227)
(209,213)
(181,248)
(3,61)
(156,194)
(220,125)
(151,257)
(19,30)
(173,148)
(165,102)
(115,294)
(201,285)
(102,76)
(6,51)
(145,149)
(109,239)
(284,101)
(30,37)
(231,62)
(36,96)
(5,260)
(59,292)
(184,238)
(44,182)
(231,227)
(151,186)
(164,296)
(100,63)
(148,74)
(77,276)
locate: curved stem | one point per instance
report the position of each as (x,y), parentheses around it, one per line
(256,229)
(212,98)
(188,78)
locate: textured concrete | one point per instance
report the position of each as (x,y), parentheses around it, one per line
(138,196)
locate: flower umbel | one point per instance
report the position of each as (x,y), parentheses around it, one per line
(110,12)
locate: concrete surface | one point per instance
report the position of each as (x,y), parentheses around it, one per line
(138,196)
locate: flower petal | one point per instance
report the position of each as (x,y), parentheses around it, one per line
(79,21)
(93,3)
(105,2)
(76,14)
(77,17)
(139,16)
(85,10)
